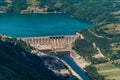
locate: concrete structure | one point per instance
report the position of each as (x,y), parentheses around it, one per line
(55,43)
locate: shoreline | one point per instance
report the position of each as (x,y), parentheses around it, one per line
(43,13)
(70,68)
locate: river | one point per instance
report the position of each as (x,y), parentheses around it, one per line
(75,67)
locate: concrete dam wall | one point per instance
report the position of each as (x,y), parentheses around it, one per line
(57,43)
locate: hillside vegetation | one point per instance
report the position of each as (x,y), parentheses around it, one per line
(110,71)
(97,11)
(18,64)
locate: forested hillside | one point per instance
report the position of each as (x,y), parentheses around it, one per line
(91,10)
(18,64)
(97,11)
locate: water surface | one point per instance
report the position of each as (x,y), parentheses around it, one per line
(40,25)
(75,67)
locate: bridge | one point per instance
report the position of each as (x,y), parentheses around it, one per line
(54,43)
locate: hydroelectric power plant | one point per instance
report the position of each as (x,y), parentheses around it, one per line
(54,43)
(54,36)
(58,44)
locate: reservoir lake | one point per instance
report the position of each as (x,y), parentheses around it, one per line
(34,25)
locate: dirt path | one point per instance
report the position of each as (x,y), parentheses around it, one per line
(99,36)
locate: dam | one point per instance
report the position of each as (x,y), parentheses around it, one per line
(54,43)
(58,44)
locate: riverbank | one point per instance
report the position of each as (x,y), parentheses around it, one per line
(72,71)
(75,67)
(81,62)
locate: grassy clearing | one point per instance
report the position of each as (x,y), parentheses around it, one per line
(109,71)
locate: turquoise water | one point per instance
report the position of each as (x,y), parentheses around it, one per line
(39,25)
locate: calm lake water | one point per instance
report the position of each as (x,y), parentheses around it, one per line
(39,25)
